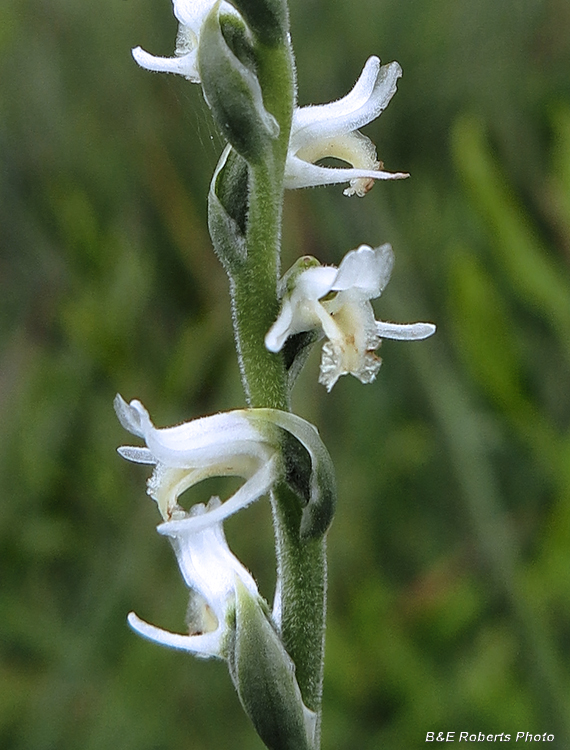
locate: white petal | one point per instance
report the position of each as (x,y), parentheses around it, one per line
(206,645)
(184,66)
(366,270)
(192,12)
(280,331)
(129,415)
(251,490)
(200,442)
(369,97)
(136,454)
(405,331)
(204,558)
(315,283)
(207,441)
(300,310)
(300,174)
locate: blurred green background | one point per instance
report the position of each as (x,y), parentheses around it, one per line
(450,552)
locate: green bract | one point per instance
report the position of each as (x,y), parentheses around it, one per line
(232,90)
(264,676)
(227,210)
(268,19)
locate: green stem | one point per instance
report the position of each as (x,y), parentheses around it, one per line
(254,295)
(302,572)
(254,285)
(301,565)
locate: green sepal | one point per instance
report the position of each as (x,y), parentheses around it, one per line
(238,38)
(232,90)
(317,486)
(264,676)
(296,351)
(298,466)
(227,210)
(268,19)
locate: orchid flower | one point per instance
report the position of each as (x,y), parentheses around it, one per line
(229,444)
(228,619)
(346,318)
(331,130)
(248,443)
(211,572)
(191,15)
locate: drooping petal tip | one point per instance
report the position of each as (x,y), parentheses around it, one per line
(204,645)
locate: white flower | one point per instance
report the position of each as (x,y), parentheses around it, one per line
(228,444)
(247,443)
(346,318)
(211,572)
(191,15)
(331,130)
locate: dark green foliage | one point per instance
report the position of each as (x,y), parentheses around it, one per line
(449,603)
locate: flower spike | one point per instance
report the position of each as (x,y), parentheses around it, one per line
(331,130)
(346,318)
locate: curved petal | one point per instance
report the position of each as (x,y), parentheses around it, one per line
(405,331)
(369,97)
(280,331)
(317,514)
(192,12)
(206,562)
(366,269)
(314,283)
(300,310)
(251,490)
(300,174)
(184,65)
(206,645)
(129,415)
(200,442)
